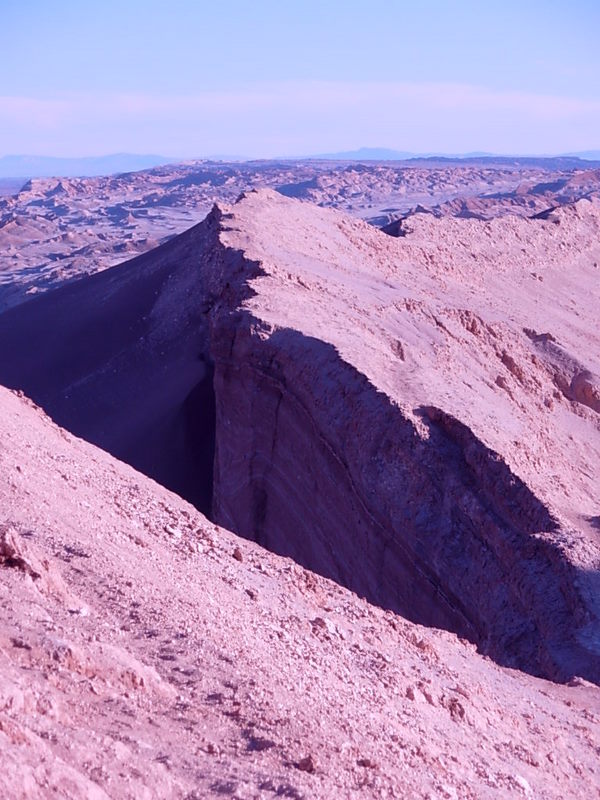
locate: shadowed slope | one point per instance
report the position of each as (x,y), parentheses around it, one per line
(121,359)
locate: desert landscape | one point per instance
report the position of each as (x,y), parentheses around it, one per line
(55,229)
(299,481)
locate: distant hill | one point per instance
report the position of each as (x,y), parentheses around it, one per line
(45,166)
(15,168)
(386,154)
(587,155)
(367,154)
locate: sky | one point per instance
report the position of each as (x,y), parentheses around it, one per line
(189,78)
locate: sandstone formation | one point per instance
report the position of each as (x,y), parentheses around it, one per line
(415,417)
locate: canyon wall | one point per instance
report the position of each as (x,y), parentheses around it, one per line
(314,463)
(364,467)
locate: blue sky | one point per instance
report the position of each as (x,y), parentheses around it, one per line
(264,78)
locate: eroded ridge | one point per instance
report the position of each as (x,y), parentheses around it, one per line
(376,410)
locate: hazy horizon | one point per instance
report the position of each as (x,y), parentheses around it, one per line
(190,80)
(583,154)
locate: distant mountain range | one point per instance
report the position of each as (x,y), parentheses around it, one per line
(46,166)
(22,166)
(367,154)
(385,154)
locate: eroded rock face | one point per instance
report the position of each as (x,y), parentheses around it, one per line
(383,410)
(376,429)
(436,527)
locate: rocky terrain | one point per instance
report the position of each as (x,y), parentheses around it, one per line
(55,229)
(147,653)
(405,432)
(529,199)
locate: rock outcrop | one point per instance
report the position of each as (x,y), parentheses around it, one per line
(379,409)
(381,417)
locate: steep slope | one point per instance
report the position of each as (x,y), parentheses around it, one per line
(416,418)
(119,358)
(146,653)
(415,408)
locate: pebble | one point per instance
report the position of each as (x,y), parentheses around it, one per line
(237,554)
(367,763)
(524,784)
(306,764)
